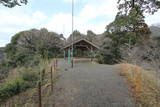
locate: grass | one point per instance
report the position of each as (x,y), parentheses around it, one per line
(29,97)
(12,88)
(18,81)
(143,85)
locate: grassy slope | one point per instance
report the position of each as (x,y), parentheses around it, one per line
(143,85)
(29,98)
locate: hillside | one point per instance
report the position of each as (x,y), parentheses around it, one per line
(155,30)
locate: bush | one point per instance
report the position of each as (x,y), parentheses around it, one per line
(12,88)
(30,76)
(32,60)
(4,69)
(109,59)
(27,79)
(99,59)
(105,59)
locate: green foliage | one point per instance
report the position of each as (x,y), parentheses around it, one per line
(12,88)
(100,59)
(2,54)
(76,35)
(30,76)
(91,35)
(127,28)
(11,51)
(13,3)
(4,69)
(28,47)
(27,79)
(105,58)
(109,59)
(149,6)
(131,26)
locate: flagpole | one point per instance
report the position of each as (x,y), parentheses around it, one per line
(72,31)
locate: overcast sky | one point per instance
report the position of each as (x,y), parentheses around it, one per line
(55,15)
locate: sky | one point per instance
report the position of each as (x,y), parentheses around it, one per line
(56,16)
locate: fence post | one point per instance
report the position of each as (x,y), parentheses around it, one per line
(138,83)
(39,94)
(56,63)
(54,66)
(51,79)
(43,75)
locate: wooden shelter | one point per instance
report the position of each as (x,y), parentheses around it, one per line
(82,48)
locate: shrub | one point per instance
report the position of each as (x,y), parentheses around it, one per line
(4,69)
(30,76)
(27,79)
(99,59)
(105,59)
(109,59)
(12,88)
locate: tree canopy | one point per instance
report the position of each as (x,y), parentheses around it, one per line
(13,3)
(129,26)
(76,35)
(148,6)
(27,45)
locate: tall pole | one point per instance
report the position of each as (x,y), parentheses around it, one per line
(72,30)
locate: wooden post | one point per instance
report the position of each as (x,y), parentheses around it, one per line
(51,79)
(138,83)
(91,54)
(43,75)
(39,94)
(55,65)
(64,56)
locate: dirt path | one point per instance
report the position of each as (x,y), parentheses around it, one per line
(91,85)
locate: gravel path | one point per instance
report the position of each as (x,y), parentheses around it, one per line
(91,85)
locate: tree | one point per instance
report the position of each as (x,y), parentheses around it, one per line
(134,54)
(130,29)
(131,24)
(2,54)
(148,6)
(127,28)
(29,46)
(91,35)
(13,3)
(76,35)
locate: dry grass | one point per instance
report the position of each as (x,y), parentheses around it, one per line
(29,98)
(143,85)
